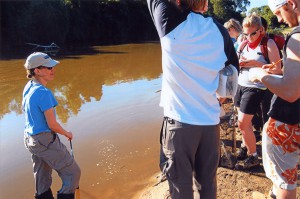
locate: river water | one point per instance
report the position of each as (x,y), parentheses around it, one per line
(109,100)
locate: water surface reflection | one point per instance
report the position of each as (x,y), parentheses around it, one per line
(109,101)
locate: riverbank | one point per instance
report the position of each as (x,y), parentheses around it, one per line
(231,184)
(250,184)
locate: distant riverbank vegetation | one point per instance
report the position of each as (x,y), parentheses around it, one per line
(74,22)
(70,23)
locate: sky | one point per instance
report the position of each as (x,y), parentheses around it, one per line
(257,3)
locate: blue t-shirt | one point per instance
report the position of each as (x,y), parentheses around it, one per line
(36,100)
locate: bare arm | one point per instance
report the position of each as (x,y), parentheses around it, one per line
(54,125)
(274,56)
(250,64)
(273,53)
(288,87)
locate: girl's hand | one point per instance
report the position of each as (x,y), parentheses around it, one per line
(69,135)
(250,64)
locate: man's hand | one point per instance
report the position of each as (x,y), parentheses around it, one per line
(272,69)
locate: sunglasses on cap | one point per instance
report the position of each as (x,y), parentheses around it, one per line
(41,67)
(251,34)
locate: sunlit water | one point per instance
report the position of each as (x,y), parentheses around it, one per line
(109,100)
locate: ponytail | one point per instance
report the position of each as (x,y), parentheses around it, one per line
(30,73)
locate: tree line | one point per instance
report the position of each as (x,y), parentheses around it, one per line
(89,22)
(74,22)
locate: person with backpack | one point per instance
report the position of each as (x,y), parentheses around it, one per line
(279,39)
(281,134)
(250,94)
(261,116)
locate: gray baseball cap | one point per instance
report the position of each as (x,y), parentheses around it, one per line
(39,59)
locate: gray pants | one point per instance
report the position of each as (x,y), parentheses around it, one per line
(187,152)
(47,153)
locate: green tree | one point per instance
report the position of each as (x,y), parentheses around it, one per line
(242,4)
(266,13)
(224,10)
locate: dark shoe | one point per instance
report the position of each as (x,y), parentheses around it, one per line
(242,153)
(65,196)
(257,135)
(46,195)
(251,161)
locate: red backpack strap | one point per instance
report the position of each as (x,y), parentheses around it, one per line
(241,47)
(279,40)
(264,48)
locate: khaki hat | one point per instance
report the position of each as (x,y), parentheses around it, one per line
(39,59)
(275,4)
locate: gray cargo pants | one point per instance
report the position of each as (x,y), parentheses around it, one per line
(187,152)
(47,153)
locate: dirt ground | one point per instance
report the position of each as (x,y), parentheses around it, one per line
(232,183)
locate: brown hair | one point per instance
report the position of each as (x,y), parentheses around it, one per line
(193,4)
(30,73)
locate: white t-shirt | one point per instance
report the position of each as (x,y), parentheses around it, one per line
(251,54)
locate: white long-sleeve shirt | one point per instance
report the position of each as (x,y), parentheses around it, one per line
(194,49)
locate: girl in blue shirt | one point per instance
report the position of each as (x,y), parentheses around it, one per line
(41,131)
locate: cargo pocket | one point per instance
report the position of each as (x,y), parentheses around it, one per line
(47,139)
(168,164)
(167,157)
(60,156)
